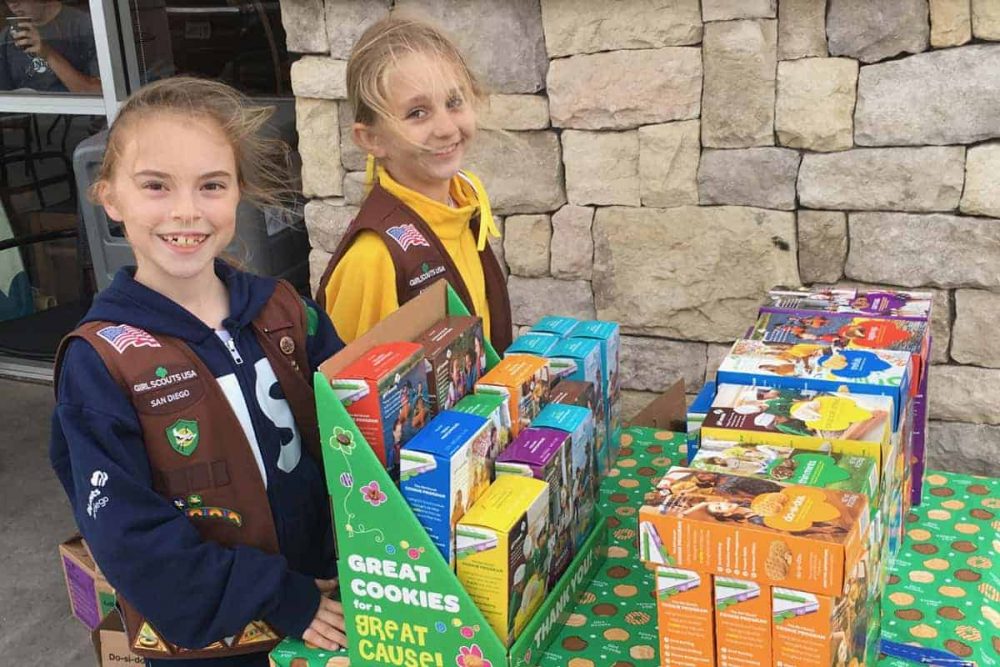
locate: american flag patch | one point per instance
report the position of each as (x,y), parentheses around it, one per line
(123,336)
(407,235)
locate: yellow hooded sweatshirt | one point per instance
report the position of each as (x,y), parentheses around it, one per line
(362,288)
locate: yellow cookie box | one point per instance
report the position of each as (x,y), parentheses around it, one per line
(501,545)
(837,422)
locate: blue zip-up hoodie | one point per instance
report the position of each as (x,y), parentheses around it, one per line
(193,592)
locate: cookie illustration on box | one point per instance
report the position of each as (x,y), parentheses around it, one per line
(837,422)
(849,332)
(789,535)
(842,472)
(816,367)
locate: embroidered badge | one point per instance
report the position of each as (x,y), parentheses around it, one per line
(406,236)
(123,336)
(97,498)
(183,436)
(160,377)
(426,273)
(220,513)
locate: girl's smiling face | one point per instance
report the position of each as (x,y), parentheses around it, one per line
(175,188)
(423,147)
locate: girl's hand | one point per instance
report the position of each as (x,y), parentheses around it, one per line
(327,629)
(327,586)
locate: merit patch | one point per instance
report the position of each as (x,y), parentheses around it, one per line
(183,436)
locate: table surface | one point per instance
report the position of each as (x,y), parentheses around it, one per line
(943,592)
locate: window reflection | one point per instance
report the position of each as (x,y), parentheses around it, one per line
(48,46)
(44,287)
(241,43)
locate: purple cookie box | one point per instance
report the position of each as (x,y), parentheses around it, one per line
(534,447)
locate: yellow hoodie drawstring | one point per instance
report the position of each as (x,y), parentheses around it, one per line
(369,173)
(487,225)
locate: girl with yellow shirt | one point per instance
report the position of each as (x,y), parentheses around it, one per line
(423,219)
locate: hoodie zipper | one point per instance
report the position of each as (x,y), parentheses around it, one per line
(233,352)
(249,391)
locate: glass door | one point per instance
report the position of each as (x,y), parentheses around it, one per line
(65,68)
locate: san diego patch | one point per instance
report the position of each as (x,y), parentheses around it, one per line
(164,389)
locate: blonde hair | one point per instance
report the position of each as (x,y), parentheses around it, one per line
(379,50)
(263,165)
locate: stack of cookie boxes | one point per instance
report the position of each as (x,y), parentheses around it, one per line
(753,573)
(774,540)
(504,478)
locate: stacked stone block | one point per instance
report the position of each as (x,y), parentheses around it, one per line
(663,162)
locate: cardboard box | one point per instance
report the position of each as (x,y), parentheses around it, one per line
(572,392)
(501,545)
(685,617)
(525,382)
(91,597)
(696,413)
(55,264)
(543,453)
(496,409)
(443,471)
(579,360)
(454,359)
(849,332)
(819,368)
(812,630)
(840,472)
(609,335)
(886,303)
(111,644)
(742,623)
(380,539)
(840,422)
(918,442)
(532,344)
(385,392)
(578,423)
(793,536)
(554,325)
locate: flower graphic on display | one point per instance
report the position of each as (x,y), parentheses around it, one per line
(342,439)
(471,656)
(373,495)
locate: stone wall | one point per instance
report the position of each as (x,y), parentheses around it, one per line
(664,162)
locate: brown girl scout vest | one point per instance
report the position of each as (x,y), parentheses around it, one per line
(421,259)
(198,453)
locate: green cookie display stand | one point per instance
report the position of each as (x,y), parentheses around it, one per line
(403,604)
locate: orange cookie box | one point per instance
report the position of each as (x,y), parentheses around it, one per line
(685,617)
(799,537)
